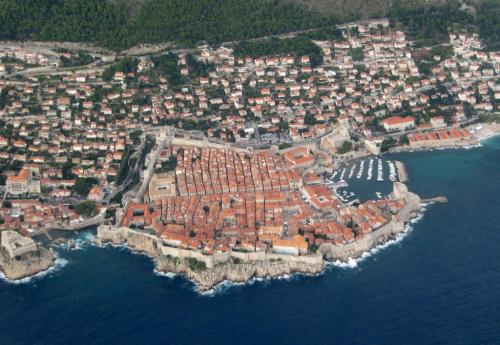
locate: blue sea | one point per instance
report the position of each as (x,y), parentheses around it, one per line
(440,284)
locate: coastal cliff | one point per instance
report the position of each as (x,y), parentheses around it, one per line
(206,271)
(202,273)
(240,272)
(26,265)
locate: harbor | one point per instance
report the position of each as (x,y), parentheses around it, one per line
(364,178)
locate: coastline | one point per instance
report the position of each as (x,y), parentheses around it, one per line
(208,271)
(397,238)
(235,270)
(480,133)
(231,274)
(407,148)
(207,279)
(349,263)
(236,273)
(485,130)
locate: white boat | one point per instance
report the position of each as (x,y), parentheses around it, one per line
(380,171)
(342,175)
(352,171)
(392,171)
(361,169)
(370,170)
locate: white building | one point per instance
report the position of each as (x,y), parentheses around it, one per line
(398,123)
(23,183)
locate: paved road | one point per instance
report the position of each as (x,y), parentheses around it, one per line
(128,180)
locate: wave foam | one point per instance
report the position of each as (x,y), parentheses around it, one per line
(87,236)
(168,275)
(352,263)
(226,285)
(79,242)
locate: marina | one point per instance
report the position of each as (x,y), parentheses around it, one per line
(368,177)
(396,171)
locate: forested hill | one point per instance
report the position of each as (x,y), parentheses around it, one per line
(120,24)
(115,24)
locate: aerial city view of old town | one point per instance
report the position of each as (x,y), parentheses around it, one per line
(232,161)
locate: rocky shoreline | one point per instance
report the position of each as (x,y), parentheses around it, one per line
(207,271)
(236,271)
(27,265)
(204,278)
(242,272)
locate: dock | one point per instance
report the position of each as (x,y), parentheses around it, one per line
(440,199)
(403,175)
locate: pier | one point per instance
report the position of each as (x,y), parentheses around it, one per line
(440,199)
(403,175)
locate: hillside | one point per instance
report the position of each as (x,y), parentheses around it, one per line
(349,10)
(120,24)
(123,23)
(426,22)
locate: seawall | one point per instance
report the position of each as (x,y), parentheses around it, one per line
(380,235)
(233,266)
(209,270)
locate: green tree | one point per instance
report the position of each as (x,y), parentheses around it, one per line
(87,208)
(488,20)
(83,185)
(310,120)
(297,46)
(346,147)
(357,54)
(168,165)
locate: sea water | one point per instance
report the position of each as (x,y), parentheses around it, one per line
(439,284)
